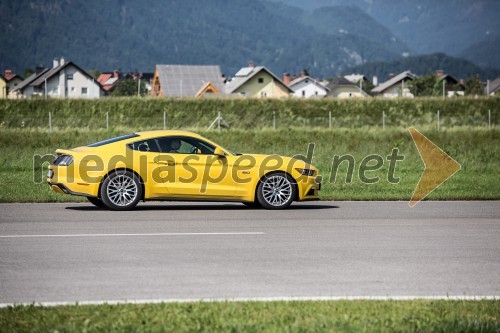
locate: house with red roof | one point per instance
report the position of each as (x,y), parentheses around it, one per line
(109,80)
(12,80)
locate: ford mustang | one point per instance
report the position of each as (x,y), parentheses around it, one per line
(176,165)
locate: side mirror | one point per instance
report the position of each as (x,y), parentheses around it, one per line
(219,152)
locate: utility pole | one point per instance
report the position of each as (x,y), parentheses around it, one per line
(139,88)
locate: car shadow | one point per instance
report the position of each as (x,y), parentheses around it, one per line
(235,206)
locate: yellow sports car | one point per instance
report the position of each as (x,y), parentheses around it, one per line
(176,165)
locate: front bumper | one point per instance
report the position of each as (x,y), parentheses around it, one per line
(308,189)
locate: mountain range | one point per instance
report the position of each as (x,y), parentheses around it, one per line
(325,37)
(428,26)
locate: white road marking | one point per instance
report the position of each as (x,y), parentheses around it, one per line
(136,235)
(262,299)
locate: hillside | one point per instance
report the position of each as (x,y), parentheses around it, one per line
(427,26)
(352,20)
(484,53)
(132,35)
(421,65)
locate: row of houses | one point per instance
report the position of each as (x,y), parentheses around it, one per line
(251,81)
(67,80)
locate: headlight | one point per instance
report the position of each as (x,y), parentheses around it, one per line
(305,172)
(63,160)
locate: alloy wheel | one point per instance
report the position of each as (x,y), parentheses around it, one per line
(122,190)
(277,190)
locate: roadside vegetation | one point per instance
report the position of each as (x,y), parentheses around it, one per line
(475,148)
(246,114)
(327,316)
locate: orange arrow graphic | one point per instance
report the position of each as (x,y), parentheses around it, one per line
(439,166)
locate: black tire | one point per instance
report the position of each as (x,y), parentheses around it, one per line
(96,202)
(276,191)
(121,190)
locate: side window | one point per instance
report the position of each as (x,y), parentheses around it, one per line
(144,145)
(184,145)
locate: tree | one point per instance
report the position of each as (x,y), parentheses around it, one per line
(94,73)
(28,72)
(426,85)
(129,87)
(473,86)
(367,87)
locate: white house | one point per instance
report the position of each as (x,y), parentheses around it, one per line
(64,80)
(307,87)
(356,78)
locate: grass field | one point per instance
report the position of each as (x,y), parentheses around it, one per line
(327,316)
(477,149)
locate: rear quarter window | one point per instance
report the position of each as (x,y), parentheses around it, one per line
(148,145)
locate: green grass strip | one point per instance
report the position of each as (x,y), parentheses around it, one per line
(308,316)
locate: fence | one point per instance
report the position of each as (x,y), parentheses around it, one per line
(247,115)
(218,121)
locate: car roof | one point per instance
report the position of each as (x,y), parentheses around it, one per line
(154,134)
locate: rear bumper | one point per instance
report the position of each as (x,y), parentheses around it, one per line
(63,189)
(64,182)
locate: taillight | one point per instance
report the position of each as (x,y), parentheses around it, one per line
(63,160)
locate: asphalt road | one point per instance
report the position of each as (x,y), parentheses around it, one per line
(75,252)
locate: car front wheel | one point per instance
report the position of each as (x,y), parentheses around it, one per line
(121,190)
(276,191)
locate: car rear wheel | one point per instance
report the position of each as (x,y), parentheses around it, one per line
(96,202)
(276,191)
(121,190)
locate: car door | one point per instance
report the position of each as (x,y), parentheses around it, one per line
(193,169)
(145,162)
